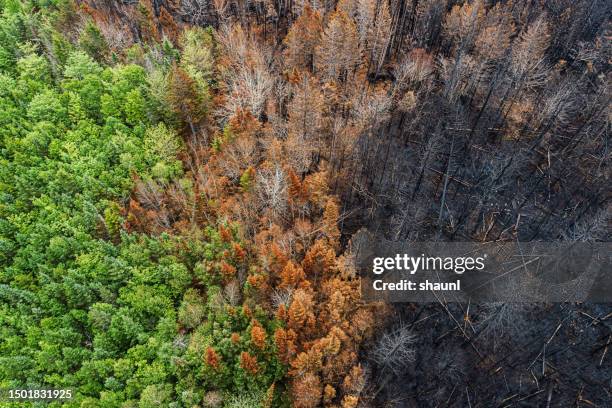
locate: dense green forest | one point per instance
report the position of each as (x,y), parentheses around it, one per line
(179,181)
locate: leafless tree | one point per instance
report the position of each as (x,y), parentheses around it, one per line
(247,75)
(231,292)
(196,11)
(529,64)
(394,350)
(281,297)
(499,321)
(149,194)
(272,191)
(117,37)
(238,155)
(413,69)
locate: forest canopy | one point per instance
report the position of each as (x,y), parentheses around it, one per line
(179,182)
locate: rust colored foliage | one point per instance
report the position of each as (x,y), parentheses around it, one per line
(169,25)
(319,260)
(212,358)
(244,123)
(298,191)
(307,361)
(281,313)
(258,335)
(249,363)
(307,391)
(353,383)
(185,98)
(329,393)
(350,401)
(225,233)
(285,344)
(291,275)
(301,312)
(330,223)
(227,270)
(247,311)
(239,252)
(302,38)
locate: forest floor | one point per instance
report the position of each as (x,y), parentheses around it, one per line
(536,356)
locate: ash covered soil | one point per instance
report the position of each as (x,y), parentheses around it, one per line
(497,355)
